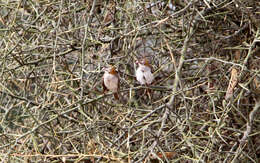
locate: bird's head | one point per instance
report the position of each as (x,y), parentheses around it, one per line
(110,70)
(143,61)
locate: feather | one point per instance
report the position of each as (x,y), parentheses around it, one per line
(111,81)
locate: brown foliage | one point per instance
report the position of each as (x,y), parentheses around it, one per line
(205,103)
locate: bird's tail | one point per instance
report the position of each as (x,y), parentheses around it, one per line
(116,95)
(149,93)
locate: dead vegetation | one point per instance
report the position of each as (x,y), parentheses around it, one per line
(205,103)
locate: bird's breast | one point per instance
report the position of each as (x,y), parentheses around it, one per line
(144,75)
(111,82)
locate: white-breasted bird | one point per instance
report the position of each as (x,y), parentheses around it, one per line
(111,81)
(144,73)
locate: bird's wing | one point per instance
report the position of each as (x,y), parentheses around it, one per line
(140,76)
(118,82)
(148,77)
(104,86)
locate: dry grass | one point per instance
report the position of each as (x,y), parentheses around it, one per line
(52,107)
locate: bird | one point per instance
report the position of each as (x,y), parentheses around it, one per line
(111,81)
(144,73)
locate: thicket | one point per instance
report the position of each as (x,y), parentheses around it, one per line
(205,100)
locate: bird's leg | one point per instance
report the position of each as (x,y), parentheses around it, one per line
(148,92)
(143,92)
